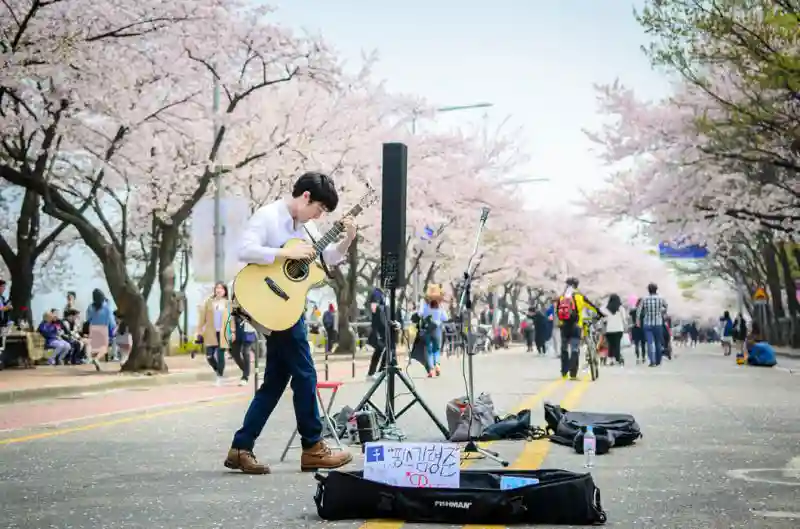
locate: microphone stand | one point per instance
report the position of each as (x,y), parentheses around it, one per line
(465,311)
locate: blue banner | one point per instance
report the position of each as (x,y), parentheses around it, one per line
(676,251)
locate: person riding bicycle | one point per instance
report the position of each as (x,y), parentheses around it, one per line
(571,311)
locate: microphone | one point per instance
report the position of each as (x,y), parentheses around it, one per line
(484,214)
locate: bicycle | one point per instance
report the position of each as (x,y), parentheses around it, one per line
(590,342)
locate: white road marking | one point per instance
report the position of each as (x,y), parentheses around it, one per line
(750,474)
(778,514)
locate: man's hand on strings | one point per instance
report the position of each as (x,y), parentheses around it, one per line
(350,228)
(302,250)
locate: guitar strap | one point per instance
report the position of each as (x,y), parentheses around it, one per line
(321,259)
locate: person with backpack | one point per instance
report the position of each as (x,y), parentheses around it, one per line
(571,311)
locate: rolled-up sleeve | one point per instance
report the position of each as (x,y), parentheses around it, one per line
(332,255)
(253,246)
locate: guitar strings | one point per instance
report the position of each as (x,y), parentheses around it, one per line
(297,265)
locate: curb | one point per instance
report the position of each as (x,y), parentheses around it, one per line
(133,380)
(122,382)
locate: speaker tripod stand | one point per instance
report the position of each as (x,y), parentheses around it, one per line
(391,374)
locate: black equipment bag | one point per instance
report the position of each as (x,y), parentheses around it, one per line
(621,429)
(602,442)
(560,498)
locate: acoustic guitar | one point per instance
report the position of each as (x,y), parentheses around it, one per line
(273,296)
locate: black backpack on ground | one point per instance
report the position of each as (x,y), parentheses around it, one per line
(620,429)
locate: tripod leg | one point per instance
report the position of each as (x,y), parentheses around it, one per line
(407,383)
(365,400)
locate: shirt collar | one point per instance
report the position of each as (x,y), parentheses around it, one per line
(286,216)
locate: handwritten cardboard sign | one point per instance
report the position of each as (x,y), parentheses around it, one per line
(413,464)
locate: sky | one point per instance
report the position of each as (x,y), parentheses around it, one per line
(535,61)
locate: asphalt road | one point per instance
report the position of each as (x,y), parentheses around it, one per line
(720,449)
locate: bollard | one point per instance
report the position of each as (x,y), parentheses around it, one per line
(326,364)
(353,362)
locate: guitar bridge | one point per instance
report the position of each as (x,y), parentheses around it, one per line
(273,286)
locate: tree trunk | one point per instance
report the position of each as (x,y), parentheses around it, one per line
(515,291)
(22,262)
(21,291)
(147,353)
(792,335)
(346,301)
(171,300)
(775,290)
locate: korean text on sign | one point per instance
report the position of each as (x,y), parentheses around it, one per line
(413,464)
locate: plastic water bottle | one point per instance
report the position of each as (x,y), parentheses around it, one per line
(589,446)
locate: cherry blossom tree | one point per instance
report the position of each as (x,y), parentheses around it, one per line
(121,116)
(670,175)
(34,248)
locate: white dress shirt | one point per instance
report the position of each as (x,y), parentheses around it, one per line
(269,228)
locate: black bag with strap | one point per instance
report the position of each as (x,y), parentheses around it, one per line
(560,498)
(564,427)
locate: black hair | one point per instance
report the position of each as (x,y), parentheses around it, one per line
(220,284)
(614,303)
(573,282)
(652,288)
(71,293)
(320,188)
(98,298)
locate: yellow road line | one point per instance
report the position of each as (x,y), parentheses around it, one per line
(122,420)
(535,452)
(528,403)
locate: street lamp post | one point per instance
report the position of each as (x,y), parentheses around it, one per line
(219,229)
(451,108)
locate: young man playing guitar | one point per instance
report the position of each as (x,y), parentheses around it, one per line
(288,353)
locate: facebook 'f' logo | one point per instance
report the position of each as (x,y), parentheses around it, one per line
(374,454)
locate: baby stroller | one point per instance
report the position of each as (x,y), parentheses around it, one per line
(482,344)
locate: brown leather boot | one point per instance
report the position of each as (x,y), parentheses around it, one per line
(245,460)
(321,456)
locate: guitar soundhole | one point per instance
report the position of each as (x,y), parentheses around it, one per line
(296,270)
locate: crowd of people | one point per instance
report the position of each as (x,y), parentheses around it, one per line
(71,336)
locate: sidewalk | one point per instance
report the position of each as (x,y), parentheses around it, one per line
(788,352)
(59,381)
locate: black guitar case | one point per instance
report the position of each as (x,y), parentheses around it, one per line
(560,498)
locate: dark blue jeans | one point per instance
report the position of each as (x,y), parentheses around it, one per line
(570,349)
(288,356)
(654,335)
(215,356)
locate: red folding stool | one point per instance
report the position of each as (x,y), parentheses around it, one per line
(328,428)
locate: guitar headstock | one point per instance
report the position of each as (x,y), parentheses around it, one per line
(366,201)
(370,196)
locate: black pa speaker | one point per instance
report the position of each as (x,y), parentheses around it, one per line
(393,215)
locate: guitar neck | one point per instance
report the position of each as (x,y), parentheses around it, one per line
(332,234)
